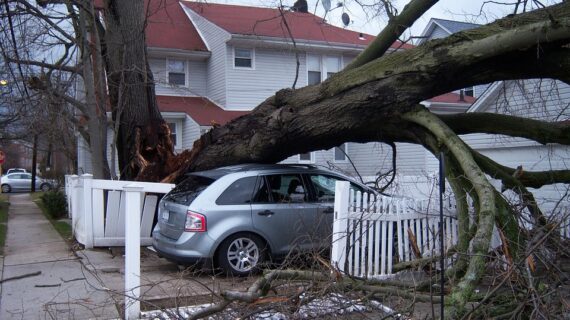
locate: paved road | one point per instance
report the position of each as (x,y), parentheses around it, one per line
(55,283)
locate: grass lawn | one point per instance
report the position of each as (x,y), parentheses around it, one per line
(4,204)
(62,227)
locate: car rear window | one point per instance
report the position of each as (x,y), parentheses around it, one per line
(186,191)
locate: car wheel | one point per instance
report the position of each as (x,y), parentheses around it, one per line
(45,187)
(6,188)
(241,254)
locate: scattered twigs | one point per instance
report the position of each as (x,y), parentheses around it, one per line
(27,275)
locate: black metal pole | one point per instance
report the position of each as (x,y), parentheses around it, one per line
(441,239)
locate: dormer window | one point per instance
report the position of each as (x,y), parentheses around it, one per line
(243,58)
(176,72)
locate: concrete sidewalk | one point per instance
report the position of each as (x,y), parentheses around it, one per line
(54,284)
(88,283)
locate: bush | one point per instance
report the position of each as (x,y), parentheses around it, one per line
(55,204)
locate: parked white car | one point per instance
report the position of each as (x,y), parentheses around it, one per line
(23,182)
(14,170)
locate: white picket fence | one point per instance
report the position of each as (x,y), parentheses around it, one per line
(98,209)
(371,233)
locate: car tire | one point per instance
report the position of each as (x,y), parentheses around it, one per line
(45,187)
(241,254)
(6,188)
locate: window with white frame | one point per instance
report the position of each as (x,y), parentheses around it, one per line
(320,67)
(243,58)
(313,69)
(469,91)
(175,135)
(176,70)
(308,157)
(340,153)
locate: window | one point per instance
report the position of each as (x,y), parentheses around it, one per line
(332,64)
(324,187)
(314,69)
(176,72)
(174,133)
(239,192)
(307,157)
(320,67)
(243,58)
(340,153)
(469,92)
(286,188)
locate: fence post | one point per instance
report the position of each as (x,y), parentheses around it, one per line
(338,250)
(132,250)
(88,210)
(71,193)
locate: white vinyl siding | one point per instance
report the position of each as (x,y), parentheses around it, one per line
(274,70)
(217,65)
(340,153)
(196,79)
(190,133)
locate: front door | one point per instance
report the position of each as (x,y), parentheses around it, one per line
(282,213)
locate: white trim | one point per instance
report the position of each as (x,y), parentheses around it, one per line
(252,50)
(312,160)
(157,53)
(300,43)
(345,156)
(490,93)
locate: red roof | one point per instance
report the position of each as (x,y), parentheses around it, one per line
(452,98)
(169,27)
(202,110)
(267,22)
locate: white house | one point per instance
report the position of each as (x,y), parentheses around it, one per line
(215,62)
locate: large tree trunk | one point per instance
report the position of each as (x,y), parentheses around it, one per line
(143,137)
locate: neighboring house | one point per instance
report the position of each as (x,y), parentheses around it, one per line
(543,99)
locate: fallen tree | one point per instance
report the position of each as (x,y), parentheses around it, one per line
(377,99)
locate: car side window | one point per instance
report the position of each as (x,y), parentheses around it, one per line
(324,187)
(286,188)
(239,192)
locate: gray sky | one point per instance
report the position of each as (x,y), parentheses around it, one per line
(474,11)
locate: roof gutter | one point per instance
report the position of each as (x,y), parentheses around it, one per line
(178,53)
(276,42)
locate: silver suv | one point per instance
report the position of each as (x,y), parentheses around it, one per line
(240,217)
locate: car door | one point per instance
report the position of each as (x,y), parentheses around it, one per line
(323,192)
(281,212)
(18,181)
(26,181)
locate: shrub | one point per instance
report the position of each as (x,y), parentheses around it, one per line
(55,204)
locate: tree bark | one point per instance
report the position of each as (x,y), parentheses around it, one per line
(143,136)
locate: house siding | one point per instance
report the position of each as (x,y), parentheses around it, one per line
(272,70)
(190,132)
(215,38)
(196,78)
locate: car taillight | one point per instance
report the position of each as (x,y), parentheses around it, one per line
(195,222)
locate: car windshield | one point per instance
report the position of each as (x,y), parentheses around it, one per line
(186,191)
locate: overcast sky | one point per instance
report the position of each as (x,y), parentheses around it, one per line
(474,11)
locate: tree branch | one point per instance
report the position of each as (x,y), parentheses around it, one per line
(540,131)
(72,69)
(530,179)
(392,32)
